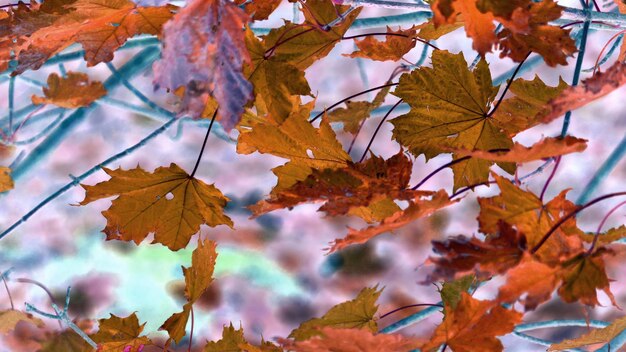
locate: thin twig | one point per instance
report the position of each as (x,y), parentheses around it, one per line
(206,137)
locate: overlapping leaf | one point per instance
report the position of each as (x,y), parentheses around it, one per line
(33,34)
(591,89)
(168,202)
(342,190)
(233,340)
(595,336)
(396,45)
(451,109)
(473,326)
(424,204)
(526,27)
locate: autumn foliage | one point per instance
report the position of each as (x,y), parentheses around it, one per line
(527,248)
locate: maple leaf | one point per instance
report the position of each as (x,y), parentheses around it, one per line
(117,334)
(313,40)
(68,340)
(527,213)
(356,313)
(526,27)
(460,255)
(35,34)
(204,51)
(73,91)
(578,280)
(583,276)
(591,89)
(546,148)
(355,112)
(6,182)
(429,31)
(10,318)
(296,139)
(168,202)
(260,9)
(595,336)
(198,277)
(274,82)
(396,45)
(279,60)
(233,340)
(420,206)
(531,281)
(450,109)
(357,185)
(352,340)
(553,43)
(473,326)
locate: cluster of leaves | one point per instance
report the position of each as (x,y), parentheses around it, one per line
(218,67)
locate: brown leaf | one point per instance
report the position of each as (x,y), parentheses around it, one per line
(259,9)
(35,34)
(546,148)
(117,334)
(595,336)
(396,45)
(352,340)
(198,277)
(531,282)
(168,202)
(355,112)
(419,207)
(342,190)
(459,256)
(356,313)
(473,326)
(73,91)
(204,51)
(583,276)
(233,340)
(591,89)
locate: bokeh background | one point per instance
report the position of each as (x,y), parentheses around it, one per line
(272,272)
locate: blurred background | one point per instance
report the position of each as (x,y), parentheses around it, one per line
(272,272)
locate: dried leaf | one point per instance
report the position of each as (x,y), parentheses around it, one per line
(73,91)
(546,148)
(396,45)
(204,51)
(419,207)
(168,202)
(459,256)
(450,109)
(531,282)
(233,340)
(35,34)
(595,336)
(591,89)
(356,313)
(117,334)
(344,189)
(608,237)
(473,326)
(296,139)
(198,277)
(583,276)
(353,340)
(355,112)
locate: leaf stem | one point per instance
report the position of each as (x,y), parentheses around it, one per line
(571,214)
(377,129)
(350,97)
(6,286)
(508,85)
(206,137)
(545,186)
(411,306)
(191,332)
